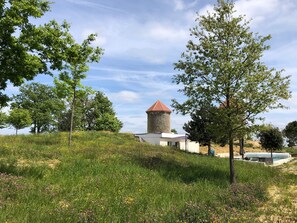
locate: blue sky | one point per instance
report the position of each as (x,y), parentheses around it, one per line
(143,38)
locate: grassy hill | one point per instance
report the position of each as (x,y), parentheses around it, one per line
(106,177)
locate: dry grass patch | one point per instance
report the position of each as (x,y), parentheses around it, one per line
(250,146)
(52,163)
(282,203)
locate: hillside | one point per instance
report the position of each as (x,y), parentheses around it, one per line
(106,177)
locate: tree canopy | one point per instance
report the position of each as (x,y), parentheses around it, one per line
(93,112)
(43,104)
(26,49)
(271,138)
(19,119)
(222,67)
(203,128)
(290,132)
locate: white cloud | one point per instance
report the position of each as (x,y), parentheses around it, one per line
(165,32)
(91,4)
(151,84)
(284,54)
(153,40)
(125,96)
(206,9)
(264,14)
(256,9)
(179,5)
(134,123)
(100,39)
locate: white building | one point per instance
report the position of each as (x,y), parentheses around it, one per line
(159,133)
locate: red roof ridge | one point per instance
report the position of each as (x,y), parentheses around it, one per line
(159,106)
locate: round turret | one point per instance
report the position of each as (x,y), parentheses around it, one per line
(158,118)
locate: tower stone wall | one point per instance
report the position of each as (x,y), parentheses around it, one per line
(158,122)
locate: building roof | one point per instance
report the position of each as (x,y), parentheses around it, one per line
(159,106)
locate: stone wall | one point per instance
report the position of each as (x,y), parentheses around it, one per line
(158,122)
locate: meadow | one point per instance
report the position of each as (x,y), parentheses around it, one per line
(110,177)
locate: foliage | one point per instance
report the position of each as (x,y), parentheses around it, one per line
(222,68)
(202,128)
(3,120)
(173,131)
(271,139)
(43,104)
(114,178)
(19,118)
(93,112)
(290,132)
(99,114)
(27,50)
(77,56)
(108,122)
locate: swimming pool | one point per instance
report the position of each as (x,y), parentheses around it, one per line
(278,158)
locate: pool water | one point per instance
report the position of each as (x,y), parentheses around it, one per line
(266,157)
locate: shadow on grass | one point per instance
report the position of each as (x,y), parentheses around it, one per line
(186,173)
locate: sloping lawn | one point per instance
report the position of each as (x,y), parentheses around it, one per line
(106,177)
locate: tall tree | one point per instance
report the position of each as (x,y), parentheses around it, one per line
(19,119)
(25,49)
(222,66)
(77,57)
(290,132)
(43,104)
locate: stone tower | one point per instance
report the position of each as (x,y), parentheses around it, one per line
(158,118)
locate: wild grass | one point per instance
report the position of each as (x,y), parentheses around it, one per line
(107,177)
(291,150)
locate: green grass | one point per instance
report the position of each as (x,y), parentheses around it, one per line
(106,177)
(292,151)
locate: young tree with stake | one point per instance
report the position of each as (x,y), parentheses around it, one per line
(77,56)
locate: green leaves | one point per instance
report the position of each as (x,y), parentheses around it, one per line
(290,132)
(222,65)
(222,68)
(271,138)
(43,104)
(27,50)
(74,67)
(19,118)
(3,120)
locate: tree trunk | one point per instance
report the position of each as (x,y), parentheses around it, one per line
(241,145)
(209,148)
(34,127)
(231,160)
(71,119)
(16,131)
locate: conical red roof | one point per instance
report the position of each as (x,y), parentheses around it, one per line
(159,106)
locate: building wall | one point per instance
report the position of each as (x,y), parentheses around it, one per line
(158,122)
(153,139)
(192,147)
(157,139)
